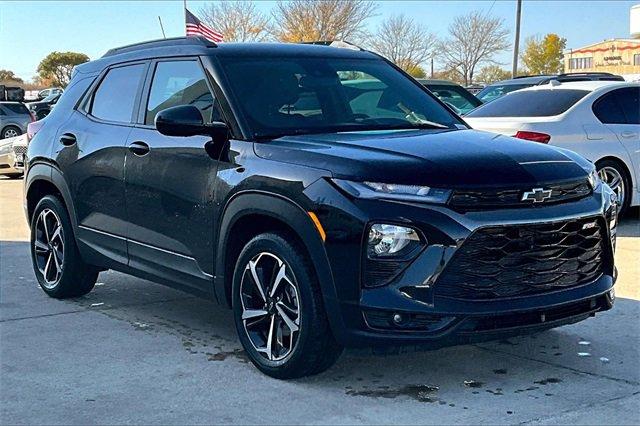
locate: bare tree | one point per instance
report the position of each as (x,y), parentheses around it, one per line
(311,20)
(237,20)
(473,40)
(404,42)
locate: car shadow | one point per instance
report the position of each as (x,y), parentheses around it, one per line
(629,225)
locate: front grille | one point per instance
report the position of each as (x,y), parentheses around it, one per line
(474,199)
(19,149)
(508,261)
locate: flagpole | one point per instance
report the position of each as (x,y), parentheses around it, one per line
(184,2)
(161,27)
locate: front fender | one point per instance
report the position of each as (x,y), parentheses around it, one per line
(286,210)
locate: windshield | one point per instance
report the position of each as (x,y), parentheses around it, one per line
(456,96)
(492,92)
(531,103)
(50,98)
(298,95)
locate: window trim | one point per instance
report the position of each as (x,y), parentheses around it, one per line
(86,104)
(140,119)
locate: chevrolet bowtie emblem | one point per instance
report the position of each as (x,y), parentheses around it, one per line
(537,195)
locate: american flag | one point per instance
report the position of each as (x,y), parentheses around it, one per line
(196,28)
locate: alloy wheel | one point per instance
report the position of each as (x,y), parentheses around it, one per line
(10,133)
(270,306)
(612,177)
(48,246)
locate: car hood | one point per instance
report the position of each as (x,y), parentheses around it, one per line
(449,158)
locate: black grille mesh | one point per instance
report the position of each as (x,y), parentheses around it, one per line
(501,198)
(510,261)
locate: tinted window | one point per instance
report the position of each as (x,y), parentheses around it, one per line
(179,83)
(17,108)
(531,103)
(492,92)
(298,95)
(455,96)
(608,110)
(114,100)
(629,99)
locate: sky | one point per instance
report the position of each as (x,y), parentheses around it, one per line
(29,30)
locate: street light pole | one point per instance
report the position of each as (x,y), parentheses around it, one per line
(514,70)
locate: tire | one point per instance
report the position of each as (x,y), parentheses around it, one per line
(15,176)
(612,171)
(10,132)
(71,277)
(309,350)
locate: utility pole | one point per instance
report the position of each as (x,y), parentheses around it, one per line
(514,70)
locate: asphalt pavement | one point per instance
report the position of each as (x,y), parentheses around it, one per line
(135,352)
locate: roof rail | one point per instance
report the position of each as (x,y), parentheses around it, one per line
(342,44)
(566,74)
(163,42)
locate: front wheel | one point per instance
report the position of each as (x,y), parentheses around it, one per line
(614,175)
(279,311)
(59,269)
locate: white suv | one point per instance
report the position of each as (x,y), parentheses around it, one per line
(599,120)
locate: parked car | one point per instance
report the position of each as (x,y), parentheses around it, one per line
(48,92)
(454,95)
(40,109)
(12,153)
(14,118)
(474,89)
(11,93)
(599,120)
(495,90)
(362,219)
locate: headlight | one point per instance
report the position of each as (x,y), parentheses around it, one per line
(375,190)
(391,240)
(594,179)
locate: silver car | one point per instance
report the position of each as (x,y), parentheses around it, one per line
(14,118)
(12,152)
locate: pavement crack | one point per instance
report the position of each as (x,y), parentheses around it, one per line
(580,408)
(553,364)
(99,309)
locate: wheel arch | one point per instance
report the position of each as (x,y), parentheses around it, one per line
(42,179)
(251,213)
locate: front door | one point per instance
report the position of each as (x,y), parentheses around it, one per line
(169,182)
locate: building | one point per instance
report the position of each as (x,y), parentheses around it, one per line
(617,56)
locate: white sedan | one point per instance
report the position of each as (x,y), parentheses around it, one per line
(599,120)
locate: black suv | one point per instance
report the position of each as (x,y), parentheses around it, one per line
(324,213)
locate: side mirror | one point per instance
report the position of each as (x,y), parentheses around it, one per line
(186,120)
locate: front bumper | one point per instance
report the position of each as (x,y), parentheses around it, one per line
(11,164)
(365,316)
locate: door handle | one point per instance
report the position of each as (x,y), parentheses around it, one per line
(139,148)
(68,139)
(629,134)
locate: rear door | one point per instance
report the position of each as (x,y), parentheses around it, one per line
(170,181)
(619,111)
(90,152)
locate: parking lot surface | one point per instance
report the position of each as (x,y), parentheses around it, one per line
(136,352)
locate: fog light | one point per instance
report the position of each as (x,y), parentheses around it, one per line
(391,240)
(397,318)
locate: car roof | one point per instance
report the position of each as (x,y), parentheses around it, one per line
(199,46)
(522,80)
(591,85)
(437,82)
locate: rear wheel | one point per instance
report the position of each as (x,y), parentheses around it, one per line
(10,132)
(59,269)
(614,175)
(279,311)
